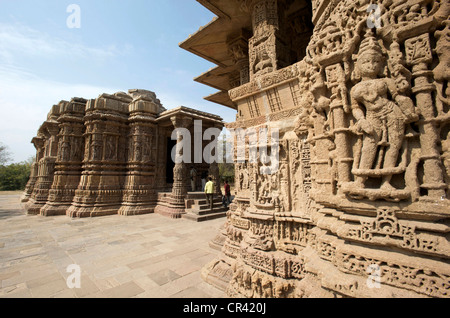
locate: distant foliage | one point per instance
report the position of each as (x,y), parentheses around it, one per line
(14,176)
(5,156)
(226,171)
(226,167)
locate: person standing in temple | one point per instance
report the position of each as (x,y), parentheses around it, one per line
(204,176)
(193,179)
(209,191)
(227,189)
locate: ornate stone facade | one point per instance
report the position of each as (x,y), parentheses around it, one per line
(359,206)
(112,155)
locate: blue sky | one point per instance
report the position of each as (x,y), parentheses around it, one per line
(120,45)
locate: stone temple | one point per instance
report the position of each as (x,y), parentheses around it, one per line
(349,99)
(358,93)
(113,155)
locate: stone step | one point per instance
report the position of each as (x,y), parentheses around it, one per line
(205,206)
(203,218)
(195,195)
(216,209)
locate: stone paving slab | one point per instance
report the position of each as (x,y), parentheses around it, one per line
(147,256)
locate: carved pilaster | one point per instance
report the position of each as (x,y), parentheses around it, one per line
(100,191)
(268,50)
(419,56)
(339,107)
(69,158)
(139,190)
(46,165)
(238,50)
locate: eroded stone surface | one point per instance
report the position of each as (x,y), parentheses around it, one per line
(362,185)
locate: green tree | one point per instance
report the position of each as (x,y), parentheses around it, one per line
(15,176)
(226,164)
(5,156)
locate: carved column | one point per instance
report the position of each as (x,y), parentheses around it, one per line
(173,204)
(238,48)
(418,54)
(69,158)
(180,187)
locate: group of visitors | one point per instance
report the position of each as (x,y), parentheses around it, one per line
(209,188)
(209,191)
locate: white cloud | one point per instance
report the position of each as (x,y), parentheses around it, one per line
(17,39)
(26,98)
(25,101)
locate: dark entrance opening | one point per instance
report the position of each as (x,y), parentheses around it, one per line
(299,28)
(170,164)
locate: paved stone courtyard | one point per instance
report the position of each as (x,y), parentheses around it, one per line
(147,256)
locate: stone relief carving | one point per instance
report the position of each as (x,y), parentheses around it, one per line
(381,120)
(367,165)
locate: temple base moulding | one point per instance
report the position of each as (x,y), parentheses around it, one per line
(87,212)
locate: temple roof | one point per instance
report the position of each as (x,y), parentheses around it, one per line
(210,43)
(183,111)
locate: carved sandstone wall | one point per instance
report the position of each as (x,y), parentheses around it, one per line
(362,189)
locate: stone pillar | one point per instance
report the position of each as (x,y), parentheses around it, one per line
(69,157)
(173,204)
(418,54)
(140,196)
(100,190)
(180,186)
(238,49)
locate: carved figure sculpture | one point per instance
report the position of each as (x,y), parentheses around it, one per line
(380,119)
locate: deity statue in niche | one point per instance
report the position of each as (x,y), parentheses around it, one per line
(243,177)
(65,150)
(110,148)
(76,149)
(97,150)
(381,114)
(263,61)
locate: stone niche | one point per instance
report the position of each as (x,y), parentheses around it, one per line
(113,155)
(359,206)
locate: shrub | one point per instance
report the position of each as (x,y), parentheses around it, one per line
(14,176)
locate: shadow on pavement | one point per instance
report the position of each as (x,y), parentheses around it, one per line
(4,214)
